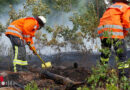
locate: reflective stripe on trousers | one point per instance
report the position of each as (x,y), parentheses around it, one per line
(16,61)
(104,59)
(123,65)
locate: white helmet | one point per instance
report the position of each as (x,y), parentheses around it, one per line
(43,19)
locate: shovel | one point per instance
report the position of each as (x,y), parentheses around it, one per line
(45,64)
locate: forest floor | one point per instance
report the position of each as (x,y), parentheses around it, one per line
(36,78)
(21,79)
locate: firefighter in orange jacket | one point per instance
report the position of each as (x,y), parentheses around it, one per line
(22,31)
(114,26)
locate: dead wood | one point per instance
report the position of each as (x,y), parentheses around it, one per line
(60,79)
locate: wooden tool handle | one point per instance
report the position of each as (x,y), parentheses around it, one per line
(36,53)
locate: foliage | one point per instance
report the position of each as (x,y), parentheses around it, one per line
(31,86)
(87,22)
(38,7)
(100,76)
(104,77)
(29,5)
(5,3)
(2,28)
(109,78)
(83,88)
(83,24)
(62,5)
(128,38)
(100,7)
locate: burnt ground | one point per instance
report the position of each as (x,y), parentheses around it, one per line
(67,65)
(75,66)
(23,78)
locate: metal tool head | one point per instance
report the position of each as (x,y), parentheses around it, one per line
(47,65)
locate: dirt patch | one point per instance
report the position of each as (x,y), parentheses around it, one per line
(75,74)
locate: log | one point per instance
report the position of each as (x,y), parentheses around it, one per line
(60,79)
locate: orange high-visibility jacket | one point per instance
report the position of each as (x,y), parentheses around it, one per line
(126,21)
(24,28)
(115,21)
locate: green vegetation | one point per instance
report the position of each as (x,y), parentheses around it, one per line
(31,86)
(104,77)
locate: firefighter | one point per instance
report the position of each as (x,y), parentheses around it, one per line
(20,32)
(113,28)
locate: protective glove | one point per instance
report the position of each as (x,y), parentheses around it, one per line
(34,52)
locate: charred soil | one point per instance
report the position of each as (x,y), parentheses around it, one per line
(69,78)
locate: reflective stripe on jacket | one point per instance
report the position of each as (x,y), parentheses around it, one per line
(111,22)
(23,28)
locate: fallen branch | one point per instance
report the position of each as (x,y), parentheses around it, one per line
(60,79)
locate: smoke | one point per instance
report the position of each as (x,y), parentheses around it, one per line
(82,5)
(5,43)
(4,8)
(54,18)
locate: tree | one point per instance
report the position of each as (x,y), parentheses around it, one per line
(4,4)
(85,20)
